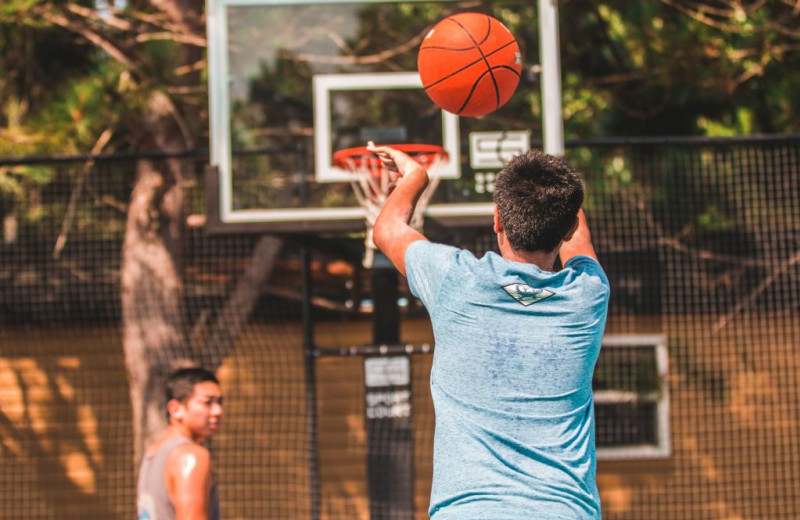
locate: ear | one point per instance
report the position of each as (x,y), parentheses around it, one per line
(498,223)
(571,231)
(176,409)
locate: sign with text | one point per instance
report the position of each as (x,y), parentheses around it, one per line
(390,446)
(494,149)
(387,371)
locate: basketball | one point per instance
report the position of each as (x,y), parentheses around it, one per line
(470,64)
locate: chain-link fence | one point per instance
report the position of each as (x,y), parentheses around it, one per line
(697,391)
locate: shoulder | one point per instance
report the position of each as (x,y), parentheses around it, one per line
(429,266)
(588,266)
(426,246)
(188,458)
(190,449)
(425,259)
(423,251)
(583,262)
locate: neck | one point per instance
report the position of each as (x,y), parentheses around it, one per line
(178,430)
(544,260)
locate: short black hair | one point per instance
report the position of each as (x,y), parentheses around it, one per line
(180,384)
(538,197)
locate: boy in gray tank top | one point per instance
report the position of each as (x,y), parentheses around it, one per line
(176,480)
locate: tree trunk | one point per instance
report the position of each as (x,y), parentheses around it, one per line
(154,332)
(156,336)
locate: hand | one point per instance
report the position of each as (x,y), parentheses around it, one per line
(395,160)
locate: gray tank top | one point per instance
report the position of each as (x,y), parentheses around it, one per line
(153,502)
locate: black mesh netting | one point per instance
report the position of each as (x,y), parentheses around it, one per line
(698,397)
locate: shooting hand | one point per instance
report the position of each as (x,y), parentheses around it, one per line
(394,160)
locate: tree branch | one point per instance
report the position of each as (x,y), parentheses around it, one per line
(91,14)
(66,225)
(230,321)
(187,39)
(178,12)
(95,38)
(746,302)
(698,13)
(191,67)
(362,60)
(16,138)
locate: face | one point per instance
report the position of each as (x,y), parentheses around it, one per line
(201,415)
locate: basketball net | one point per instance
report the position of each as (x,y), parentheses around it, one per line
(372,184)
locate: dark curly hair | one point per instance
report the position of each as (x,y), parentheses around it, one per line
(538,197)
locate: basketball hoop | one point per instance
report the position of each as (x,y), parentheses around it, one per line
(372,183)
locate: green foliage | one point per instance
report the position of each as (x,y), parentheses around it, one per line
(628,68)
(68,74)
(714,218)
(677,68)
(80,109)
(58,92)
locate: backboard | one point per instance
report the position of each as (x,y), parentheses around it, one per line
(290,83)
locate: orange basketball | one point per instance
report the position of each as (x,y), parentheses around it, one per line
(470,64)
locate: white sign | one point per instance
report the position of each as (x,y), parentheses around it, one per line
(386,371)
(494,149)
(388,405)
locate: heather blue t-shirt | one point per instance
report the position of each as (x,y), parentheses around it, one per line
(511,380)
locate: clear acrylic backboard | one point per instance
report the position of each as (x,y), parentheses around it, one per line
(291,83)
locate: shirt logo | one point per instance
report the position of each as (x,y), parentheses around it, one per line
(525,294)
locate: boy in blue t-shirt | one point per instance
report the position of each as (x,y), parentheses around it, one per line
(516,344)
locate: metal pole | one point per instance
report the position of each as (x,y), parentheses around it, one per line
(311,384)
(390,439)
(553,125)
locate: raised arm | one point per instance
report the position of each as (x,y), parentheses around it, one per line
(391,232)
(579,243)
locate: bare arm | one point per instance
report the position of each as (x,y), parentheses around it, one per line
(579,243)
(391,232)
(188,475)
